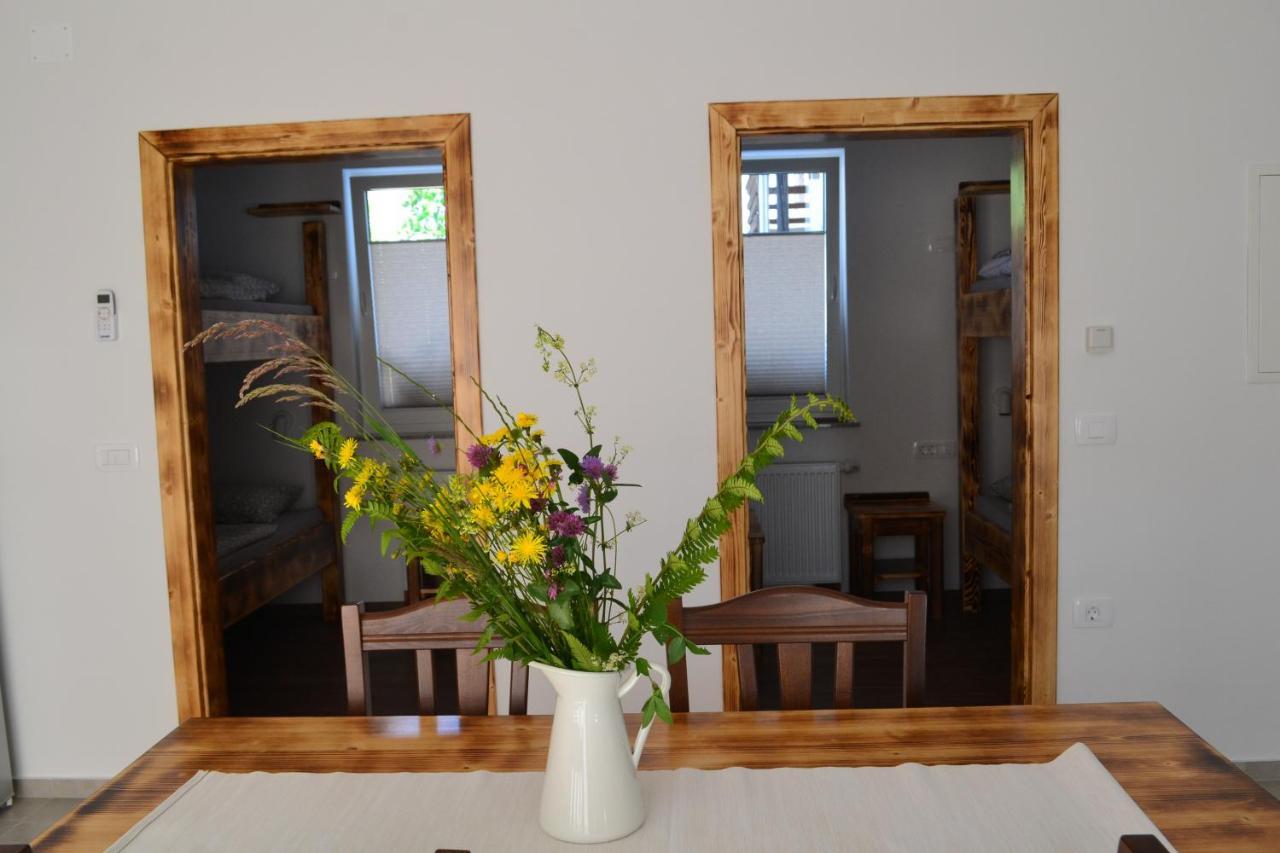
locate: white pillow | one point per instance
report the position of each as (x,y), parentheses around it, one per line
(1001,264)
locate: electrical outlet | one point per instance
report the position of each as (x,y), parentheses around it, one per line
(1093,613)
(934,450)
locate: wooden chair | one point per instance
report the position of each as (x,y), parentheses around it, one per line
(430,629)
(793,618)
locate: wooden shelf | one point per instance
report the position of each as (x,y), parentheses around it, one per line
(297,208)
(984,187)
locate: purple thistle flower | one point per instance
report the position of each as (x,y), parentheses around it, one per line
(584,499)
(537,504)
(479,455)
(552,592)
(433,446)
(565,524)
(593,467)
(557,555)
(611,471)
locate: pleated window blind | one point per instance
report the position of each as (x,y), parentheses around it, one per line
(410,283)
(785,273)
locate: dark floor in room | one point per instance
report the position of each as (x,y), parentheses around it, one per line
(285,660)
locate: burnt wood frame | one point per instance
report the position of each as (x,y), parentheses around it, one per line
(1031,120)
(167,161)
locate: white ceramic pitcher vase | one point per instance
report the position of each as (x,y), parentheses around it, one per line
(590,793)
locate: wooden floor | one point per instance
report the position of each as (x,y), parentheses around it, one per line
(284,660)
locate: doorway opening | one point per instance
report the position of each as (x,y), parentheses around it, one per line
(357,238)
(900,254)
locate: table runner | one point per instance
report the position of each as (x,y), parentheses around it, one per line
(1069,804)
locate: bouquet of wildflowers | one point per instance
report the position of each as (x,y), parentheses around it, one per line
(529,535)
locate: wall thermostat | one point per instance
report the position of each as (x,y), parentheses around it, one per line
(106,308)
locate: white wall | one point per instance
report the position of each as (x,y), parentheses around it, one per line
(587,119)
(899,196)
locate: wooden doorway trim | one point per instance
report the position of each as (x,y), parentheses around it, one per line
(1034,120)
(182,442)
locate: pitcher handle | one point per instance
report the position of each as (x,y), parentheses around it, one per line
(664,678)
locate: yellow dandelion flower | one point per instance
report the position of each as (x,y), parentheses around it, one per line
(524,420)
(525,458)
(537,435)
(317,449)
(521,492)
(347,452)
(483,516)
(353,496)
(529,548)
(501,556)
(366,472)
(496,437)
(508,472)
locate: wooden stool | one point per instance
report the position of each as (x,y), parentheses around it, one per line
(876,514)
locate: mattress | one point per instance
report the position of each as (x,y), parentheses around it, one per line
(996,510)
(287,526)
(1000,282)
(254,307)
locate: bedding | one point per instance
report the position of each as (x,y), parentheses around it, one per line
(233,537)
(252,503)
(223,284)
(1000,282)
(287,526)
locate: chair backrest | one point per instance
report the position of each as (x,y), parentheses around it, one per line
(793,618)
(430,629)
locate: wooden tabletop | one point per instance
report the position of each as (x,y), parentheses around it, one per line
(893,508)
(1197,798)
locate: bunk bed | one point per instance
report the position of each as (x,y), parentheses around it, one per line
(257,563)
(983,310)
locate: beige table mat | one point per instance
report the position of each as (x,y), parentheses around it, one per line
(1071,804)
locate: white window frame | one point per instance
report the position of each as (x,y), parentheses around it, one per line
(415,422)
(762,410)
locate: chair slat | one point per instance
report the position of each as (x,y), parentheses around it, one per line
(473,683)
(518,702)
(844,675)
(426,682)
(748,686)
(795,675)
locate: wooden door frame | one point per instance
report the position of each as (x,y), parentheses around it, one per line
(1033,118)
(182,442)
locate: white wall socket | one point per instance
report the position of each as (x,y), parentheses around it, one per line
(1093,613)
(934,450)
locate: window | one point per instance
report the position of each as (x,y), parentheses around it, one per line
(396,235)
(793,274)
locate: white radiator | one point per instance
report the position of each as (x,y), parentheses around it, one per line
(801,520)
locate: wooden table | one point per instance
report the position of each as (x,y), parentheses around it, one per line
(896,514)
(1194,795)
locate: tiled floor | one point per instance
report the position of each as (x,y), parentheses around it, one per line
(27,818)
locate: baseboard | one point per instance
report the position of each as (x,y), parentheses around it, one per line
(61,789)
(1261,771)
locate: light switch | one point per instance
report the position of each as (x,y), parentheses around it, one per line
(117,457)
(1096,429)
(51,43)
(1099,338)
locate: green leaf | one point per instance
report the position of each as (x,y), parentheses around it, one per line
(348,523)
(387,536)
(660,706)
(560,613)
(649,712)
(582,656)
(571,459)
(642,666)
(608,581)
(472,615)
(675,651)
